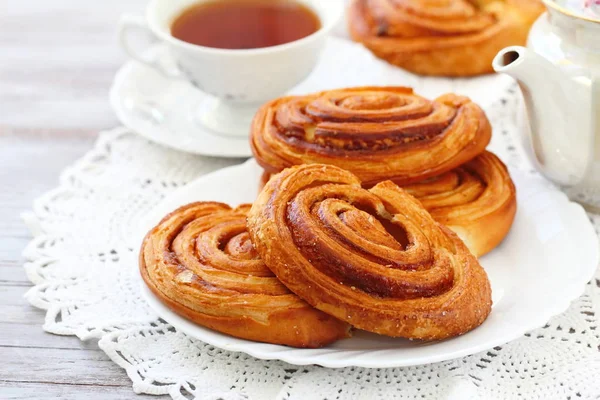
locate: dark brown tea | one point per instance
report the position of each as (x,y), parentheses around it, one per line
(245,24)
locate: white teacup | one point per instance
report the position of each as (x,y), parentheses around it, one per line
(240,80)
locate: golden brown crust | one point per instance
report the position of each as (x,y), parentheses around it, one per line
(376,133)
(476,200)
(450,38)
(200,262)
(374,258)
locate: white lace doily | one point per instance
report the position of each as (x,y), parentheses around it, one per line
(81,265)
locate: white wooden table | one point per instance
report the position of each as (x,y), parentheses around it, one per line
(57,60)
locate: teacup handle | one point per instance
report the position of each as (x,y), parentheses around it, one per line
(128,24)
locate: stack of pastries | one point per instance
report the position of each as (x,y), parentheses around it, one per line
(434,149)
(442,37)
(374,207)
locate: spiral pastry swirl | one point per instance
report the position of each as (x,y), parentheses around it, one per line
(376,133)
(442,37)
(200,262)
(470,200)
(374,258)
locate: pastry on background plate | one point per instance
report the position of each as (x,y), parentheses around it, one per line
(199,261)
(445,38)
(372,257)
(377,133)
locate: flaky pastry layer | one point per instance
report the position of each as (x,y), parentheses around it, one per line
(200,262)
(374,258)
(376,133)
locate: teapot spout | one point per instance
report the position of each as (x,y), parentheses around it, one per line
(532,71)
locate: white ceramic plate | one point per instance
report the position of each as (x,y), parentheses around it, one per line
(165,111)
(543,264)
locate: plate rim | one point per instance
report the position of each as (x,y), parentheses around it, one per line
(287,354)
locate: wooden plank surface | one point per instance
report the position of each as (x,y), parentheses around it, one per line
(58,60)
(34,390)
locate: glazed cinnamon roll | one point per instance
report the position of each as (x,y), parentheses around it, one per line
(200,262)
(476,200)
(374,258)
(377,133)
(449,38)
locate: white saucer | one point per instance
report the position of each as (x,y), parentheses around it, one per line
(165,111)
(542,265)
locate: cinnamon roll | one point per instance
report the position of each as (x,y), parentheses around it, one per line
(476,200)
(376,133)
(374,258)
(200,262)
(448,38)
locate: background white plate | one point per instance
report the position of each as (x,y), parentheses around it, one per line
(164,110)
(542,265)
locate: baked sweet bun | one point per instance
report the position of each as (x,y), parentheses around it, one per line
(377,133)
(476,200)
(199,261)
(447,38)
(374,258)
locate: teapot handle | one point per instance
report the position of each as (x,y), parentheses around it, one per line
(594,139)
(595,114)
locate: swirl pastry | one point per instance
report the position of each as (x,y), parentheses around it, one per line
(374,258)
(376,133)
(200,262)
(442,37)
(476,200)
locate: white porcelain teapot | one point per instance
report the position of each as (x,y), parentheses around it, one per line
(559,77)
